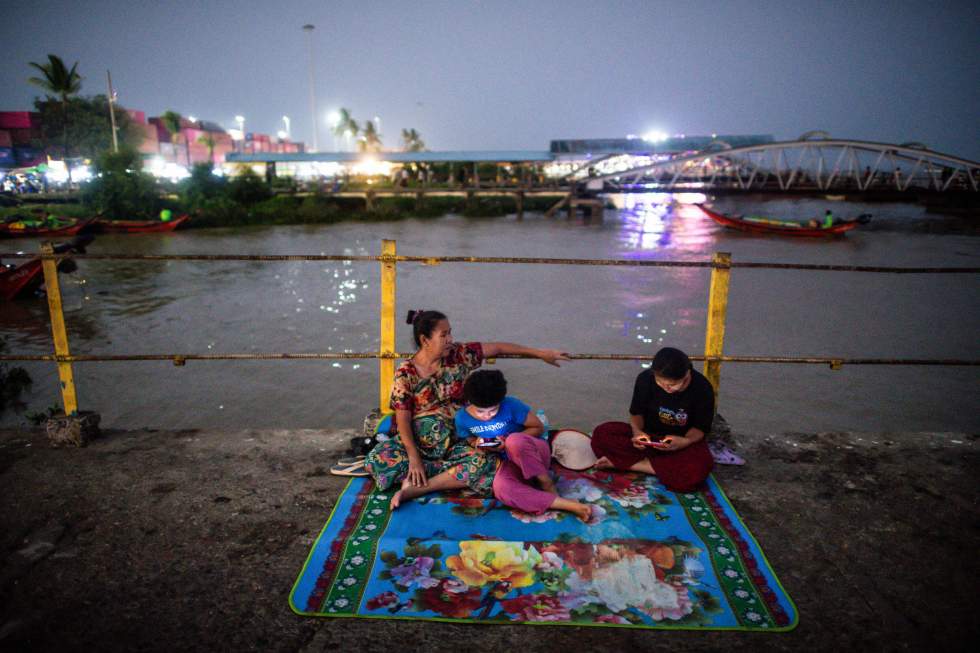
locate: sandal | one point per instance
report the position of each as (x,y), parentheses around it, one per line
(723,455)
(351,460)
(351,469)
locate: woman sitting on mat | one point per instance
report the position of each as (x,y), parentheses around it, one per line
(498,426)
(672,410)
(422,454)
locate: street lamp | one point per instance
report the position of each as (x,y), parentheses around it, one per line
(285,120)
(308,28)
(241,127)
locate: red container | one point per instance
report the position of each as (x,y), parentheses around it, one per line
(17,120)
(5,140)
(139,117)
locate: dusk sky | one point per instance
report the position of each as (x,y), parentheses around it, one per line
(513,75)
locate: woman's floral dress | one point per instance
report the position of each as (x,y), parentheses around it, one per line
(433,402)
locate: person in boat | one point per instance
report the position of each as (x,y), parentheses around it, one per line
(423,455)
(671,412)
(166,215)
(499,426)
(828,219)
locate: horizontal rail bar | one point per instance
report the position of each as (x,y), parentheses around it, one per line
(179,359)
(436,260)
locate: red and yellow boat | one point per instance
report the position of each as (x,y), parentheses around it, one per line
(760,225)
(30,228)
(18,281)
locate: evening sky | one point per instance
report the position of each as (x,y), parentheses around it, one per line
(514,75)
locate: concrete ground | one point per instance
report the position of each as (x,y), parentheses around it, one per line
(191,540)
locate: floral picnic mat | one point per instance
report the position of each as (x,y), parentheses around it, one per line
(657,559)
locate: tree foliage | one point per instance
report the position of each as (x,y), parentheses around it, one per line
(121,190)
(89,126)
(412,140)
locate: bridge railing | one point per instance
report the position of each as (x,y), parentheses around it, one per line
(721,266)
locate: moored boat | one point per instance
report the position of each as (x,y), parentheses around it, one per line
(31,228)
(762,225)
(139,226)
(22,280)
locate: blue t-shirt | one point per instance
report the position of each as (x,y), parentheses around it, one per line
(509,419)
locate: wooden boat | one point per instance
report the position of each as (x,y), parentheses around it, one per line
(22,280)
(766,226)
(138,226)
(24,229)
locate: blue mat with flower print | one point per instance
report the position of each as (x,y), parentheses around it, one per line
(657,559)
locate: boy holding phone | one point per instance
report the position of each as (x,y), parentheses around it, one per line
(670,413)
(495,424)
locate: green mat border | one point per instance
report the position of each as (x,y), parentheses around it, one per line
(778,629)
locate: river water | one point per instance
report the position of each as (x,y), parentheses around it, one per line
(176,307)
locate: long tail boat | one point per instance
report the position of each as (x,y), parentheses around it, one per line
(762,225)
(138,226)
(28,228)
(22,280)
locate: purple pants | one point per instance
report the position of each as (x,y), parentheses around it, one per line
(527,457)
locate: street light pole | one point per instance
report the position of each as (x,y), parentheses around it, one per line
(112,113)
(241,128)
(308,28)
(285,120)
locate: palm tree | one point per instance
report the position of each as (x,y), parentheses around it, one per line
(63,83)
(346,126)
(172,121)
(207,139)
(371,139)
(412,141)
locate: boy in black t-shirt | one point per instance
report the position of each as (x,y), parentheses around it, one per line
(671,411)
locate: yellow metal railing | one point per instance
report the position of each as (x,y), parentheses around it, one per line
(720,265)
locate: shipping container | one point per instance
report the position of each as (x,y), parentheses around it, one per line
(5,140)
(138,117)
(18,119)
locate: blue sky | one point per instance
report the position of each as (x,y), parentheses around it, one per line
(513,75)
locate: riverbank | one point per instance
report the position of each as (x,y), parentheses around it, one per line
(191,540)
(314,209)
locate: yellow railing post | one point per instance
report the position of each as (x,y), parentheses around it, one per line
(53,290)
(714,336)
(386,366)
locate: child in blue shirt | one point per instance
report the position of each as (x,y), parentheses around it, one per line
(495,424)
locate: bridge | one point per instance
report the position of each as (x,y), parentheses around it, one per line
(814,163)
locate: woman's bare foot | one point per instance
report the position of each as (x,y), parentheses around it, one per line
(407,493)
(603,463)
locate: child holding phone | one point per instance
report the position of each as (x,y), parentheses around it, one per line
(497,425)
(671,412)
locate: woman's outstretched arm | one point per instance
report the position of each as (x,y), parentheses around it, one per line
(549,356)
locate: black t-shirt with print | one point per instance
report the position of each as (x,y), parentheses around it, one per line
(673,414)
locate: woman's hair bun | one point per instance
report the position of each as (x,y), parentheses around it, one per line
(413,315)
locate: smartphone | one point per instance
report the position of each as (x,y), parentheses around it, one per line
(657,444)
(488,443)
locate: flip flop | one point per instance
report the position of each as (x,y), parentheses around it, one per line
(350,460)
(723,455)
(355,469)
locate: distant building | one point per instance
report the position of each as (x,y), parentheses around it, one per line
(672,145)
(20,130)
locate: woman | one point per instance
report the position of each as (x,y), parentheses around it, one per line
(671,411)
(423,455)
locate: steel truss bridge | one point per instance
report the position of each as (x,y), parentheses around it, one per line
(805,165)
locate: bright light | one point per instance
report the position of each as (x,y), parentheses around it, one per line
(236,134)
(369,166)
(166,169)
(655,137)
(333,118)
(192,118)
(239,119)
(282,135)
